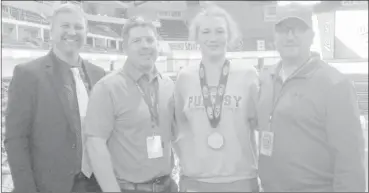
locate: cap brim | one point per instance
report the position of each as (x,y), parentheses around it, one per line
(293,17)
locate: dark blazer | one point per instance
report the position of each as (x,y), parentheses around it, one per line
(39,139)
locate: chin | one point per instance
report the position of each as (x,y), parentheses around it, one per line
(147,65)
(71,50)
(216,53)
(289,54)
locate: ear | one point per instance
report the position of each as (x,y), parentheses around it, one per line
(51,27)
(158,43)
(124,44)
(274,41)
(86,29)
(51,32)
(311,36)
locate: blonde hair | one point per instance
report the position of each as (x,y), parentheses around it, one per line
(67,8)
(215,11)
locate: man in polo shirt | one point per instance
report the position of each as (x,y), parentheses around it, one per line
(311,139)
(127,125)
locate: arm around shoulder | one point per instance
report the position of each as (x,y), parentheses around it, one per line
(178,103)
(253,91)
(99,123)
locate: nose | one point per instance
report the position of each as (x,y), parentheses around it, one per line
(290,34)
(213,37)
(144,44)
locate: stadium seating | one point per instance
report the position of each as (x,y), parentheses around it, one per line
(7,15)
(8,42)
(103,30)
(173,30)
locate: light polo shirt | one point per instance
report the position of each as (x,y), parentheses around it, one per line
(237,160)
(318,142)
(117,112)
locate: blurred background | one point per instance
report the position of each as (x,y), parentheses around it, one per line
(341,38)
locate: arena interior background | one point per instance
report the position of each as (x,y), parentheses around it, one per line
(341,42)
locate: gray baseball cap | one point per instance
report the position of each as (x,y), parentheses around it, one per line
(297,11)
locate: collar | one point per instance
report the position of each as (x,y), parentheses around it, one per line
(306,70)
(136,74)
(64,64)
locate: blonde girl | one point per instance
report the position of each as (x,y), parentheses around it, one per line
(214,105)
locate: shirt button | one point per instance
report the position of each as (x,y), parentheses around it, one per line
(74,146)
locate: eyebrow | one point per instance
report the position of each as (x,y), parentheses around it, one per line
(142,37)
(217,28)
(71,22)
(135,38)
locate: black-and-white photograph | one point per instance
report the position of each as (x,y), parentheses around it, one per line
(184,96)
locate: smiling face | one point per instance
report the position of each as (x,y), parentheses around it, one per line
(212,35)
(293,38)
(68,31)
(142,47)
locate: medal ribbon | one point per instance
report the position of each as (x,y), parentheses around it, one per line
(214,110)
(152,101)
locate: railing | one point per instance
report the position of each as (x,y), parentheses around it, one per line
(259,62)
(6,179)
(23,15)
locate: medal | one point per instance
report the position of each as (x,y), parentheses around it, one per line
(209,111)
(217,111)
(216,140)
(213,98)
(213,101)
(205,91)
(221,90)
(202,73)
(225,70)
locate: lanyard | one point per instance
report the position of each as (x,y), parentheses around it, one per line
(214,108)
(276,100)
(152,101)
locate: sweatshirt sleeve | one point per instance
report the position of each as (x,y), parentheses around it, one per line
(345,137)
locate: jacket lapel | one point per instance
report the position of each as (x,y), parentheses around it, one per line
(92,74)
(56,79)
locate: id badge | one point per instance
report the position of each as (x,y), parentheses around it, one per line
(267,139)
(154,148)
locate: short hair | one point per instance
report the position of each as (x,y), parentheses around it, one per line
(137,22)
(67,8)
(215,11)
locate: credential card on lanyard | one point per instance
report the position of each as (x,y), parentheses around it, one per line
(154,147)
(267,140)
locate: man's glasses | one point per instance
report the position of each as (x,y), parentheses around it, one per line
(295,29)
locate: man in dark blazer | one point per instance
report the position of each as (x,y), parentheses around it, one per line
(44,115)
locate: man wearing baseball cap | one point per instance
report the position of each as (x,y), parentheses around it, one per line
(310,134)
